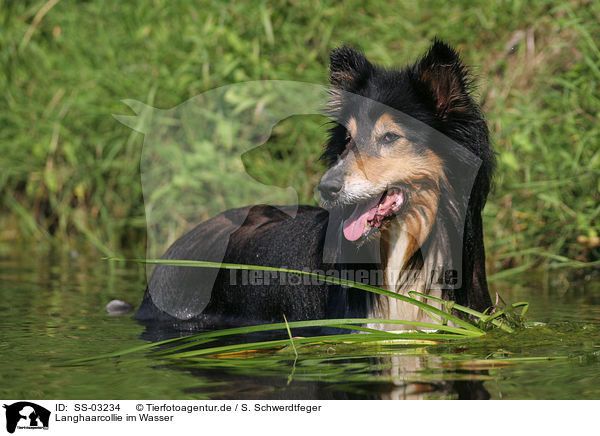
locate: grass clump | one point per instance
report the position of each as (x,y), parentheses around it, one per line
(193,346)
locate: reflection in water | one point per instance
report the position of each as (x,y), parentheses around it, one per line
(395,379)
(325,372)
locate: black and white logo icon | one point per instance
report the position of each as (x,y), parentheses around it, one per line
(26,415)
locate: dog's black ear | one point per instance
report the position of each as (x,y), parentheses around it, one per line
(445,78)
(348,67)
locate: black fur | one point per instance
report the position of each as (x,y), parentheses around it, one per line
(436,90)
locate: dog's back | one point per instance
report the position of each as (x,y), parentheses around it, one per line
(268,237)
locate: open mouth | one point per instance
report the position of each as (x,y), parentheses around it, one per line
(370,215)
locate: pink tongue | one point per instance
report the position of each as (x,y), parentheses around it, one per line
(356,225)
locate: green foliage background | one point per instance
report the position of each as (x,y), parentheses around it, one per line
(69,172)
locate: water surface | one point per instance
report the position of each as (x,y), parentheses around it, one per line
(53,310)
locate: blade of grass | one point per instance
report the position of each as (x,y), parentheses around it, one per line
(201,338)
(348,338)
(287,327)
(333,280)
(339,323)
(131,350)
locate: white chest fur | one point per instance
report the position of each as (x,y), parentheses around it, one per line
(400,280)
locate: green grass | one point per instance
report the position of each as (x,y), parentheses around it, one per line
(69,172)
(185,347)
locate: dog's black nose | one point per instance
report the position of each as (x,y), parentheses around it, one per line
(330,187)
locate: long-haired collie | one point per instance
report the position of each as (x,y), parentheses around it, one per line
(410,165)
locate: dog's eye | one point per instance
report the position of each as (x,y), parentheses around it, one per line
(348,137)
(389,137)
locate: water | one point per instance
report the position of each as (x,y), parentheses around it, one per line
(53,310)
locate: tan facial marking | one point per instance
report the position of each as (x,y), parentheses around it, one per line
(352,127)
(400,162)
(401,166)
(421,172)
(386,124)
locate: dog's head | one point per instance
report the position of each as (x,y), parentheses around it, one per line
(384,165)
